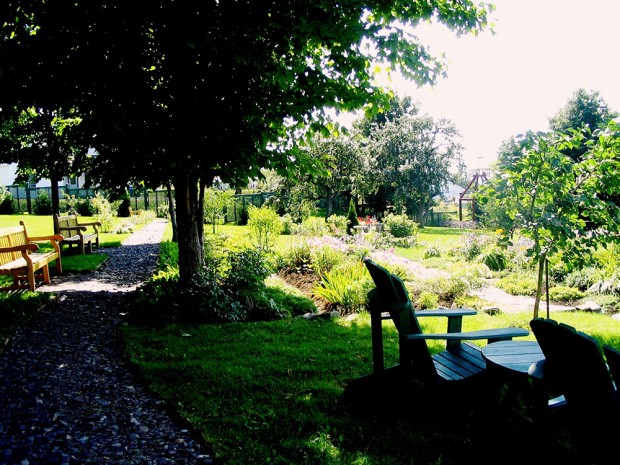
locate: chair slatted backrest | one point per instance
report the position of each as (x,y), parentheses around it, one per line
(591,389)
(546,332)
(391,295)
(579,368)
(11,237)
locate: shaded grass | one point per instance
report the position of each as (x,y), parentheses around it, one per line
(272,392)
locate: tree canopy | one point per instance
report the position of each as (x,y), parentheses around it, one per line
(408,159)
(186,91)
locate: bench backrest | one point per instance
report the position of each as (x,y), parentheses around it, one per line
(66,221)
(11,237)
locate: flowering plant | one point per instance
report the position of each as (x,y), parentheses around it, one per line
(367,220)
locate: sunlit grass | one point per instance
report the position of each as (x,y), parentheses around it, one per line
(43,225)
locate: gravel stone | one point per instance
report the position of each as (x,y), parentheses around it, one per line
(67,396)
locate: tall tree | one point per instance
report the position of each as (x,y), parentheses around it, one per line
(341,160)
(186,91)
(410,158)
(583,109)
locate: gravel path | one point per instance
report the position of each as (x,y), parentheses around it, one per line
(67,395)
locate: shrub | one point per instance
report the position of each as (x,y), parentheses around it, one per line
(473,245)
(432,252)
(518,284)
(85,207)
(287,224)
(605,283)
(400,225)
(337,225)
(231,287)
(8,205)
(105,211)
(297,257)
(163,210)
(351,217)
(246,271)
(264,224)
(242,215)
(312,226)
(447,288)
(344,287)
(495,259)
(325,257)
(427,300)
(581,279)
(42,204)
(565,294)
(125,227)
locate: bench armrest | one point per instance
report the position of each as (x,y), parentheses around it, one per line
(94,223)
(55,237)
(497,334)
(20,248)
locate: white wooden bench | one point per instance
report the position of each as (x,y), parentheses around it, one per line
(21,259)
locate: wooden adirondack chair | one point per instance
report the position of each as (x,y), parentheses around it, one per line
(575,367)
(459,361)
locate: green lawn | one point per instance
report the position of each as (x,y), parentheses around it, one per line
(43,225)
(272,392)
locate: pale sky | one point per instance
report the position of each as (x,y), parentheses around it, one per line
(505,84)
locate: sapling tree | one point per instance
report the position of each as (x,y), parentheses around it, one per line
(265,225)
(215,202)
(561,205)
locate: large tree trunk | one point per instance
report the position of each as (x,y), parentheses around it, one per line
(189,213)
(54,194)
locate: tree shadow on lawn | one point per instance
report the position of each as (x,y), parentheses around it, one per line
(454,425)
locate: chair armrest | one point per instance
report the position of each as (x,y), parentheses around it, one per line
(447,312)
(496,334)
(454,315)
